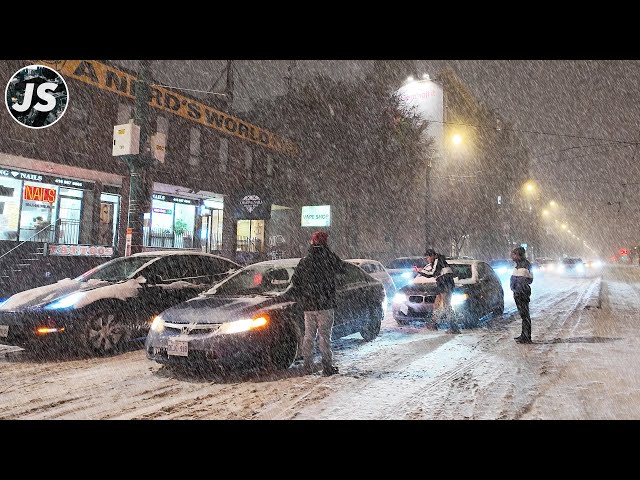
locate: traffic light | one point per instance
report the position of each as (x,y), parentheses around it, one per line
(623,251)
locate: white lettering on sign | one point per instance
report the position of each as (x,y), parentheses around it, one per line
(251,202)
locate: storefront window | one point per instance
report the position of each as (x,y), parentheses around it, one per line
(69,216)
(38,213)
(211,232)
(172,225)
(250,236)
(10,191)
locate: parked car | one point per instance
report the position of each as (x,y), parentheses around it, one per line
(108,305)
(377,271)
(478,292)
(252,319)
(401,269)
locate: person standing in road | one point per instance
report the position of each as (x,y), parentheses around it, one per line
(521,280)
(438,268)
(314,283)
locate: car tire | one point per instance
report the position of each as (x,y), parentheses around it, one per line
(469,318)
(372,328)
(104,333)
(283,351)
(499,310)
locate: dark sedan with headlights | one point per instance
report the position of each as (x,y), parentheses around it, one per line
(252,320)
(102,309)
(478,292)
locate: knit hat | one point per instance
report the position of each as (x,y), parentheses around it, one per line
(319,238)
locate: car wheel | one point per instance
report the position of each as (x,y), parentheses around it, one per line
(283,351)
(104,332)
(469,318)
(372,328)
(499,310)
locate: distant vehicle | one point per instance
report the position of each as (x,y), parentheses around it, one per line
(545,265)
(252,319)
(401,269)
(593,265)
(377,271)
(503,268)
(478,292)
(574,267)
(111,304)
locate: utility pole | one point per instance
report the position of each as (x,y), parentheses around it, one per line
(139,181)
(228,91)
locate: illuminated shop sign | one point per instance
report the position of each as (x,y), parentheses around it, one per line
(40,194)
(167,198)
(168,211)
(316,216)
(36,177)
(81,250)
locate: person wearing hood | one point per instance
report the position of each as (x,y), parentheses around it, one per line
(521,279)
(314,281)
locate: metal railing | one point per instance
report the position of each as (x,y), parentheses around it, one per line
(159,237)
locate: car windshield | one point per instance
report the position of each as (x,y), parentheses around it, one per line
(256,280)
(117,269)
(407,262)
(461,271)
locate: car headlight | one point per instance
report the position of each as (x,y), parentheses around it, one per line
(400,297)
(244,325)
(459,298)
(65,302)
(561,268)
(158,324)
(579,268)
(407,275)
(502,270)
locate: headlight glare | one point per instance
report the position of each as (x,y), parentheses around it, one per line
(400,297)
(158,324)
(65,302)
(244,325)
(459,298)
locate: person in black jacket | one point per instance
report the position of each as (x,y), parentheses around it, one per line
(521,279)
(438,268)
(314,283)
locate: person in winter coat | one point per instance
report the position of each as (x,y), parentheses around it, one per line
(314,283)
(438,268)
(521,279)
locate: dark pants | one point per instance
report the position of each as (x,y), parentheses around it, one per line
(522,302)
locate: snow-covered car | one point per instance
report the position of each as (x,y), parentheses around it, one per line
(252,319)
(377,271)
(478,292)
(401,269)
(111,304)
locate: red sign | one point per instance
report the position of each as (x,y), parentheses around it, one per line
(81,250)
(40,194)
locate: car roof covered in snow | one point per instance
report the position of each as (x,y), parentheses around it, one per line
(358,261)
(281,263)
(163,253)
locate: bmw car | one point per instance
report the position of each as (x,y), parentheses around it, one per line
(252,320)
(478,292)
(109,305)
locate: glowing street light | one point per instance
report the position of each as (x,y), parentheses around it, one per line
(545,213)
(553,204)
(456,139)
(564,226)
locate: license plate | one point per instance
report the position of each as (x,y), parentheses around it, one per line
(4,330)
(175,347)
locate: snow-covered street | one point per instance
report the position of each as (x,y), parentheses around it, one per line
(583,365)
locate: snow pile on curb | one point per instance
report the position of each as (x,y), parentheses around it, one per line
(593,295)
